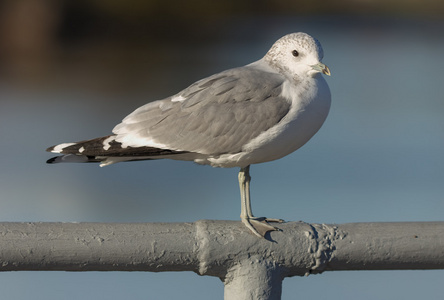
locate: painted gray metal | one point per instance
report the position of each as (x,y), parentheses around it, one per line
(251,267)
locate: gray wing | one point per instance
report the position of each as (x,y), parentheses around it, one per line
(216,115)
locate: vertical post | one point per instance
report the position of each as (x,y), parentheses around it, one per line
(253,279)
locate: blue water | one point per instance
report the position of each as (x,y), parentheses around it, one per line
(379,156)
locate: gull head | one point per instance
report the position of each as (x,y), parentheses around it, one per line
(297,55)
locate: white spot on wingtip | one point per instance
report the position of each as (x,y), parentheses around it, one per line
(179,98)
(81,149)
(59,148)
(106,143)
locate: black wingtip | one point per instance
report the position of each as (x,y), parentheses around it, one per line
(50,149)
(52,160)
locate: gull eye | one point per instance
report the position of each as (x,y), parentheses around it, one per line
(295,53)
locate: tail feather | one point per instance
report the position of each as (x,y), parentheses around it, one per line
(68,158)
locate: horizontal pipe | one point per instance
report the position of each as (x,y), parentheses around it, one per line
(215,247)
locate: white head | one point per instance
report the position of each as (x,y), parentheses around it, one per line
(297,55)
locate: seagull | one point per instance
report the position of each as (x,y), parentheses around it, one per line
(257,113)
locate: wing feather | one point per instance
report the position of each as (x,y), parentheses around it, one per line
(213,116)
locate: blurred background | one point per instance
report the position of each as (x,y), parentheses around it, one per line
(71,70)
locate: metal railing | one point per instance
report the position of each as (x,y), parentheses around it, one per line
(250,267)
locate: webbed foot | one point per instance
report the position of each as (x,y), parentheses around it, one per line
(260,225)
